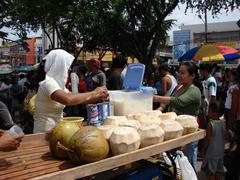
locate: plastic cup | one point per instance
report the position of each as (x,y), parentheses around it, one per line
(15,131)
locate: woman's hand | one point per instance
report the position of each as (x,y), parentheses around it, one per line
(8,142)
(101,94)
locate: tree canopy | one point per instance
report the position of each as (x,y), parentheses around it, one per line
(135,28)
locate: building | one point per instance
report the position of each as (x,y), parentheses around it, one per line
(227,33)
(38,49)
(220,33)
(18,56)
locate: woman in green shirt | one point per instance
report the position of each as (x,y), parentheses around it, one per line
(185,99)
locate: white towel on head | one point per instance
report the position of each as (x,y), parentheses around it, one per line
(57,64)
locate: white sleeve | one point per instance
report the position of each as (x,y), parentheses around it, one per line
(212,89)
(50,86)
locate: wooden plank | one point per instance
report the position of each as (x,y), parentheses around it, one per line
(116,161)
(25,151)
(40,138)
(22,164)
(27,171)
(42,172)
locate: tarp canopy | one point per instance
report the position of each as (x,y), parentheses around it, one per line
(5,69)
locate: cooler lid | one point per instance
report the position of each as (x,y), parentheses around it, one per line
(134,77)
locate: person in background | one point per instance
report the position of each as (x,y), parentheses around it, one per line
(230,103)
(209,82)
(168,81)
(213,148)
(6,121)
(22,79)
(82,85)
(185,99)
(16,90)
(4,84)
(158,82)
(5,97)
(225,85)
(52,95)
(7,142)
(217,74)
(232,163)
(115,81)
(95,78)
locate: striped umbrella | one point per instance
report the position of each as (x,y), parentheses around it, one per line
(211,53)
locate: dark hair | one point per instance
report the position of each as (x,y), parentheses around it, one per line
(217,107)
(21,75)
(163,67)
(120,61)
(234,73)
(193,69)
(206,66)
(82,69)
(30,74)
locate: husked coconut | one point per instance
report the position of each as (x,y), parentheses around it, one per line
(114,120)
(123,140)
(130,123)
(153,113)
(137,116)
(151,120)
(188,122)
(172,129)
(150,135)
(168,116)
(145,119)
(106,130)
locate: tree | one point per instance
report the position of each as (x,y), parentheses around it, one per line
(136,28)
(140,26)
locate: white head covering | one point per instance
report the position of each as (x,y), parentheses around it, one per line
(58,62)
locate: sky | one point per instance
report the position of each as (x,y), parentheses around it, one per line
(192,18)
(180,17)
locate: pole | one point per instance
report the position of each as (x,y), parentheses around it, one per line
(205,22)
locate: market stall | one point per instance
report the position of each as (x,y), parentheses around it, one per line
(33,159)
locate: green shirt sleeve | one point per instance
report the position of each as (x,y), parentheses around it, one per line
(191,96)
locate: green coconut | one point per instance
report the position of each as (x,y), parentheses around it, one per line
(62,134)
(88,145)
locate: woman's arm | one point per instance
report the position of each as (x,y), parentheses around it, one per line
(99,94)
(162,99)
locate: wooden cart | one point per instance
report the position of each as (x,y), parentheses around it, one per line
(34,161)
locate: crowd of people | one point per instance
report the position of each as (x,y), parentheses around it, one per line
(208,92)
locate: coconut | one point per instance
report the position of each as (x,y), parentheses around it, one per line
(61,134)
(88,145)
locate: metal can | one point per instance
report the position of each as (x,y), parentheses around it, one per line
(95,123)
(103,110)
(92,112)
(111,107)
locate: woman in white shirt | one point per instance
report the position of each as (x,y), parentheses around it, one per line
(52,95)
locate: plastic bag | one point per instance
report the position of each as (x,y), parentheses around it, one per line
(186,168)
